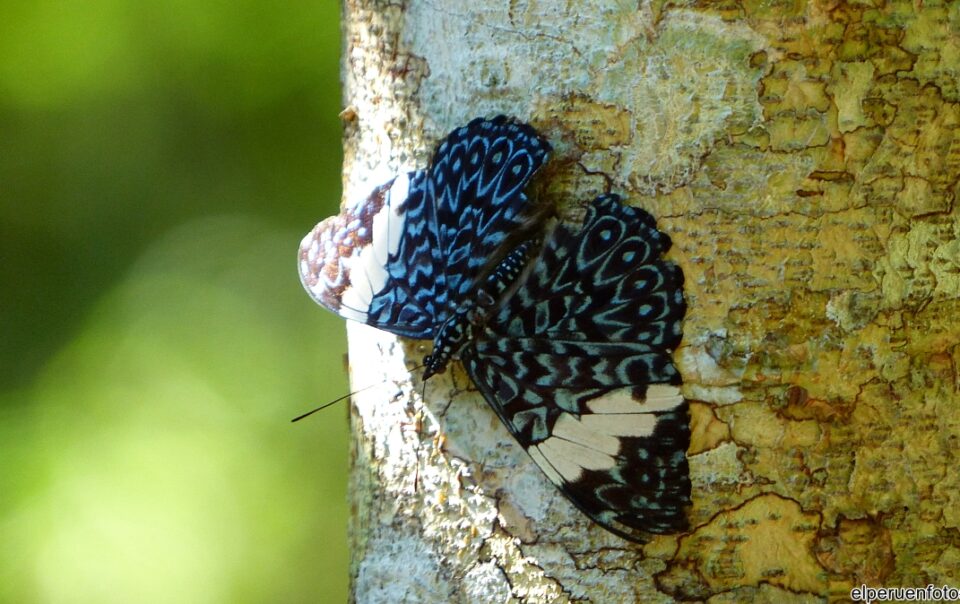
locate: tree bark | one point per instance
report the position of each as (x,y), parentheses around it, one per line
(804,157)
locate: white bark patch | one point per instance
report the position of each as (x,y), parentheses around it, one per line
(717,466)
(685,80)
(706,380)
(385,576)
(486,583)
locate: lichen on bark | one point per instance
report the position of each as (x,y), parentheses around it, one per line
(805,159)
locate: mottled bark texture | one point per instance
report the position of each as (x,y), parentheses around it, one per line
(804,157)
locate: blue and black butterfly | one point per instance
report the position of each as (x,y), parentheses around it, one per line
(568,334)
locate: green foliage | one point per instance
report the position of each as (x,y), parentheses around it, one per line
(159,162)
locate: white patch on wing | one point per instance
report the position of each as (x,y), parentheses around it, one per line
(621,424)
(353,314)
(663,397)
(380,232)
(570,458)
(352,305)
(569,470)
(360,291)
(570,428)
(541,461)
(399,191)
(367,277)
(373,270)
(660,397)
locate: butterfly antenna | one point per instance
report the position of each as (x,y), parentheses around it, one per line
(423,394)
(345,396)
(418,429)
(334,401)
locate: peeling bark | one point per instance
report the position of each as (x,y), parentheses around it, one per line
(805,159)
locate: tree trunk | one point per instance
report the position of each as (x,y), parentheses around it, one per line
(805,159)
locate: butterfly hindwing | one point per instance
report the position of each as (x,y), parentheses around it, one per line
(578,365)
(402,258)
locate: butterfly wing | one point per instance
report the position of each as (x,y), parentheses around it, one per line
(578,365)
(401,259)
(351,263)
(479,174)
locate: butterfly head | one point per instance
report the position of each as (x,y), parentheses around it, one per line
(430,367)
(436,362)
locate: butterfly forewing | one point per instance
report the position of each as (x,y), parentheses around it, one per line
(404,257)
(479,173)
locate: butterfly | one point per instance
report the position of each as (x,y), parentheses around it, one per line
(568,333)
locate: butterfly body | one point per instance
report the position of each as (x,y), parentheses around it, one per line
(568,334)
(462,325)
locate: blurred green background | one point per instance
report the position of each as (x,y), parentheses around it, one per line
(159,162)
